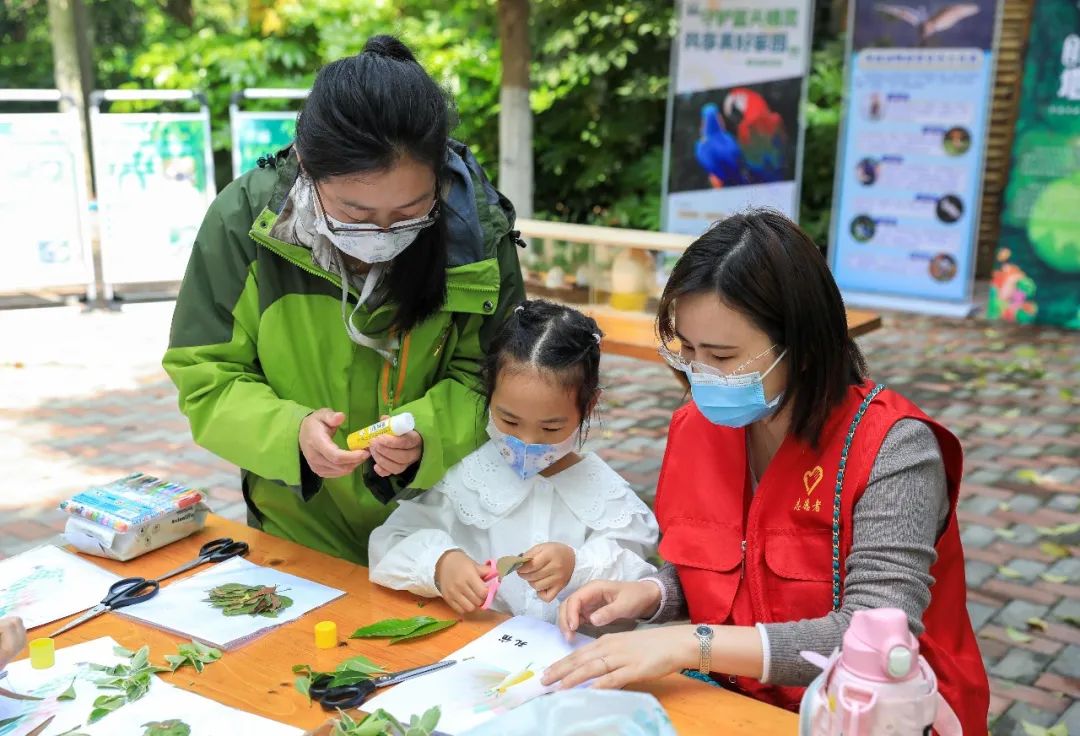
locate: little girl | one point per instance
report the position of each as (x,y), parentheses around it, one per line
(526,492)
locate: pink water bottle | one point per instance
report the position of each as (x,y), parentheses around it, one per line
(875,684)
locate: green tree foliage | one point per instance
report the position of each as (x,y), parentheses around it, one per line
(600,76)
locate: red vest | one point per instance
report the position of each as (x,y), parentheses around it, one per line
(746,557)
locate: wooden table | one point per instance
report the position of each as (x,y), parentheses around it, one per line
(258,677)
(633,334)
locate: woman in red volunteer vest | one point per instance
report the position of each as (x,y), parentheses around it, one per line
(794,491)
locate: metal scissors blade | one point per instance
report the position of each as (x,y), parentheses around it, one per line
(94,612)
(394,678)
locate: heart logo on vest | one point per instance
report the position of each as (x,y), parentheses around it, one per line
(811,478)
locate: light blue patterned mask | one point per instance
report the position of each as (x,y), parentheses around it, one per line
(526,460)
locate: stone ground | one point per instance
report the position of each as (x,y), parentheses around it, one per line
(83,399)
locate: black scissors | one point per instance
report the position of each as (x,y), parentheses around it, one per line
(129,591)
(344,697)
(122,593)
(216,550)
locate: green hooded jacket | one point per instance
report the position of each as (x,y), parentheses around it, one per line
(258,343)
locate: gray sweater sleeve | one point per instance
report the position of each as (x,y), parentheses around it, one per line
(896,525)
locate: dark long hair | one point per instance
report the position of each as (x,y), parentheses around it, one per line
(554,339)
(365,113)
(762,264)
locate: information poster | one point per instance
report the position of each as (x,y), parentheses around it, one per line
(155,180)
(734,122)
(43,202)
(909,170)
(257,134)
(1037,277)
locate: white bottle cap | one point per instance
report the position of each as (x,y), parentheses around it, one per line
(402,424)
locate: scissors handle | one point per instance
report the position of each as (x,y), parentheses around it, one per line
(129,591)
(224,549)
(492,580)
(340,697)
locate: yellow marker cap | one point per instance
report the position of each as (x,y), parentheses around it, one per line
(42,654)
(326,635)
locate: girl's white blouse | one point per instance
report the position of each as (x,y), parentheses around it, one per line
(482,508)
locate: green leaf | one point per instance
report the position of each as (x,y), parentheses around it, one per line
(1008,572)
(425,630)
(1033,730)
(1055,550)
(360,663)
(303,685)
(1036,624)
(1029,476)
(392,627)
(121,652)
(77,731)
(1048,577)
(175,661)
(430,719)
(68,694)
(174,727)
(1061,729)
(1071,620)
(1018,636)
(141,658)
(1005,533)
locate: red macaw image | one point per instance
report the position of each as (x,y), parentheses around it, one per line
(760,133)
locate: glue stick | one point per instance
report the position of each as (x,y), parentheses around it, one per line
(397,426)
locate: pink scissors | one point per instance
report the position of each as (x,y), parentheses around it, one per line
(497,570)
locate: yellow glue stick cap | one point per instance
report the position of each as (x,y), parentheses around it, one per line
(42,654)
(326,635)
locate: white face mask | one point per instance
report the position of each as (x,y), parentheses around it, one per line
(370,243)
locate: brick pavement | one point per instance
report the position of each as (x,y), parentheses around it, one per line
(82,399)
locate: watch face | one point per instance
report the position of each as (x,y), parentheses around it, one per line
(703,631)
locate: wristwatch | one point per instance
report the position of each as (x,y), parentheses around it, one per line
(704,636)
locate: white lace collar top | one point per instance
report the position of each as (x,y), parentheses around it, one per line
(483,489)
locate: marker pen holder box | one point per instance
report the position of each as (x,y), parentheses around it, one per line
(132,516)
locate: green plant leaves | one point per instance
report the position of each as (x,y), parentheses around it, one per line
(235,599)
(131,678)
(349,672)
(195,654)
(381,723)
(106,704)
(402,629)
(174,727)
(68,694)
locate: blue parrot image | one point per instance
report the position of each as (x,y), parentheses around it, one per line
(717,150)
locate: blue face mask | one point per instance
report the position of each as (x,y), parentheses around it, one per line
(733,400)
(526,460)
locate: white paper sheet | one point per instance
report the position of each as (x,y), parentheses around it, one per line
(46,584)
(495,673)
(181,608)
(164,702)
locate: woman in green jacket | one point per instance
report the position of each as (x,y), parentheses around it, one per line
(356,274)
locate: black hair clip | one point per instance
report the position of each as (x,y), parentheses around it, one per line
(515,235)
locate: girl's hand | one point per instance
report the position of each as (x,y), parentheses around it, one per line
(601,602)
(549,569)
(323,456)
(394,455)
(460,580)
(616,660)
(12,639)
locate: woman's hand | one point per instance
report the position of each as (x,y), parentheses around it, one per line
(460,581)
(616,660)
(549,569)
(323,456)
(12,639)
(395,454)
(602,602)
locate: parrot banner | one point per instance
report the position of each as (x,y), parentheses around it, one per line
(1037,275)
(911,153)
(734,113)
